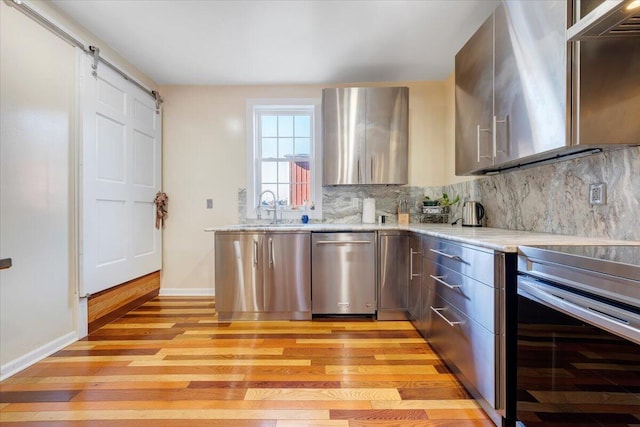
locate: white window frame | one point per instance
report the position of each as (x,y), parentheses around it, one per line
(253,151)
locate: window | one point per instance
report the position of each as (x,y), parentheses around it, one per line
(284,156)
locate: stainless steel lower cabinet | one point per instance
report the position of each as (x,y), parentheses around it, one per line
(393,274)
(463,295)
(263,275)
(466,346)
(343,273)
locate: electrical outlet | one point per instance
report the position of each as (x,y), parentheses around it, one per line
(598,194)
(209,203)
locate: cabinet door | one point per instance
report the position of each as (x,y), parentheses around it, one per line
(344,135)
(393,279)
(387,118)
(474,101)
(239,284)
(287,272)
(530,78)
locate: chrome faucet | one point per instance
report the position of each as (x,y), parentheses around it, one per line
(275,206)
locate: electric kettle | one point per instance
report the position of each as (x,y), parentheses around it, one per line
(472,214)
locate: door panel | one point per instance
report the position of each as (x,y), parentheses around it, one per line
(344,135)
(393,281)
(121,152)
(530,78)
(386,136)
(287,272)
(239,284)
(474,101)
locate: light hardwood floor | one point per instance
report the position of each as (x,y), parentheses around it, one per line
(171,363)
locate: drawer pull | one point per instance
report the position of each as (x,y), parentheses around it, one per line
(439,280)
(438,310)
(446,255)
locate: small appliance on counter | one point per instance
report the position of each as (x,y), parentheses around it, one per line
(472,214)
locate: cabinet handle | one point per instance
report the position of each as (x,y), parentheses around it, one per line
(272,259)
(446,255)
(478,130)
(255,253)
(505,121)
(439,280)
(438,310)
(411,273)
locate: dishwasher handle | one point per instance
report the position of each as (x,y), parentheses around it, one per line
(344,242)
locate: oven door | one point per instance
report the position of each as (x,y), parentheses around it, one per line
(578,359)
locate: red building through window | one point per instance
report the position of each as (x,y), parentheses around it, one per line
(300,180)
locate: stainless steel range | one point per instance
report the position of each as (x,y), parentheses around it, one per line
(578,336)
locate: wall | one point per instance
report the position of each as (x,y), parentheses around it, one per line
(36,294)
(45,8)
(205,157)
(39,305)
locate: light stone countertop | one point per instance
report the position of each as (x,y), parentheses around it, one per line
(491,238)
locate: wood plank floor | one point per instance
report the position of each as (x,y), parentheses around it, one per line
(171,363)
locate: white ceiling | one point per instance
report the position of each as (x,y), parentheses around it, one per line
(283,42)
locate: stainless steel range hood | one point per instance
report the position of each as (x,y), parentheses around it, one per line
(612,18)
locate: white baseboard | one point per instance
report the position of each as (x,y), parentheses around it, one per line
(23,362)
(187,292)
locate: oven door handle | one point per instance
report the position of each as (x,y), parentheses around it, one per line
(599,314)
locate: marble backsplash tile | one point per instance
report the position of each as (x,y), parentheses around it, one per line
(551,198)
(554,198)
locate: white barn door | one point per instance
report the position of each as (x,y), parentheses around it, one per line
(121,173)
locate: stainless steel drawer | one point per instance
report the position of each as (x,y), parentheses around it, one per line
(473,298)
(476,263)
(466,346)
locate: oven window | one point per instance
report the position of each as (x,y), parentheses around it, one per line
(573,374)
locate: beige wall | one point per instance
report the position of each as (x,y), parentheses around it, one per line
(204,152)
(36,191)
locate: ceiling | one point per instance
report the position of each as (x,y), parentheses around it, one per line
(215,42)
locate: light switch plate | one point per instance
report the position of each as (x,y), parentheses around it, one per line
(209,203)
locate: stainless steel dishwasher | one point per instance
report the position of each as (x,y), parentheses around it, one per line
(343,273)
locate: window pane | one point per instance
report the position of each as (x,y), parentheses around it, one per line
(300,193)
(283,172)
(303,146)
(269,148)
(269,172)
(283,193)
(267,198)
(285,126)
(286,147)
(269,126)
(302,126)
